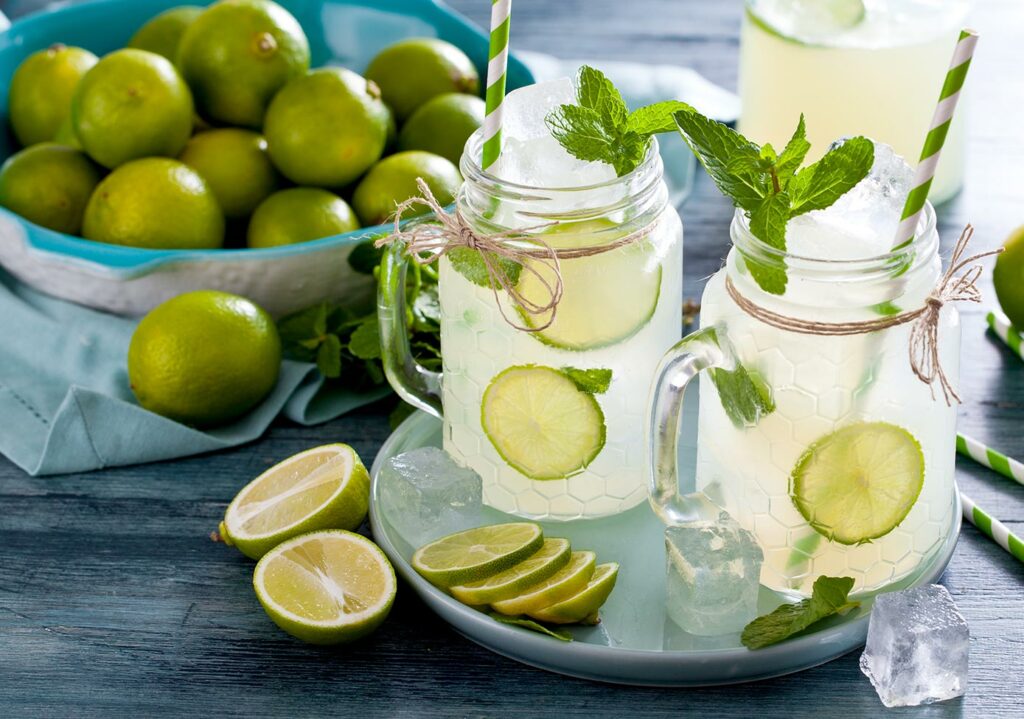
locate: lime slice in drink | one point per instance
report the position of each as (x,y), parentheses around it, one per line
(859,482)
(561,585)
(326,587)
(806,21)
(586,602)
(606,297)
(476,554)
(322,488)
(552,556)
(541,423)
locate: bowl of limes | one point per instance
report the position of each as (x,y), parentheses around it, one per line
(246,146)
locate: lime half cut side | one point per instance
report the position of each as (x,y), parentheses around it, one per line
(586,602)
(552,556)
(476,554)
(541,423)
(326,587)
(322,488)
(561,585)
(859,482)
(606,297)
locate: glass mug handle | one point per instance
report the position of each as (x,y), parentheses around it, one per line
(704,349)
(412,381)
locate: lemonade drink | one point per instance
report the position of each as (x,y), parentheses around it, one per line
(852,67)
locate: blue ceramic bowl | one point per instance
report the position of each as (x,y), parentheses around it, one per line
(129,280)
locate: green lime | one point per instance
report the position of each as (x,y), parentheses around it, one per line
(66,134)
(50,185)
(393,180)
(410,72)
(326,128)
(582,605)
(132,104)
(624,283)
(204,358)
(299,214)
(162,34)
(563,584)
(552,556)
(237,55)
(808,22)
(235,165)
(39,99)
(859,482)
(155,203)
(327,587)
(478,553)
(541,423)
(322,488)
(442,125)
(1008,278)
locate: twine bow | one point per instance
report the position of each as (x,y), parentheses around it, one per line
(923,345)
(426,242)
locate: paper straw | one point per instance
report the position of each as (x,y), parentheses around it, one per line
(1000,325)
(992,528)
(988,457)
(497,64)
(933,142)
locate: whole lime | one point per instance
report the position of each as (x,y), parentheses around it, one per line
(39,98)
(299,214)
(442,125)
(413,71)
(132,104)
(326,128)
(1008,278)
(204,358)
(235,165)
(162,34)
(237,55)
(393,180)
(50,185)
(155,203)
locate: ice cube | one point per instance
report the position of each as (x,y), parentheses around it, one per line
(425,495)
(917,648)
(713,575)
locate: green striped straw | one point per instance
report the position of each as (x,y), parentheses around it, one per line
(497,65)
(948,98)
(988,457)
(992,528)
(1004,330)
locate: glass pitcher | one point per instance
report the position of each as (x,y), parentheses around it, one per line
(838,414)
(549,409)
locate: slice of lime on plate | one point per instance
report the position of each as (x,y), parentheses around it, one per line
(859,482)
(478,553)
(552,556)
(561,585)
(584,603)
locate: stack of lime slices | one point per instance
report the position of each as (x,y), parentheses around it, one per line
(515,571)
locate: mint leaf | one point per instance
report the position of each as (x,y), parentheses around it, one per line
(657,118)
(365,341)
(591,381)
(818,185)
(584,133)
(768,224)
(526,623)
(829,597)
(745,397)
(328,356)
(793,154)
(595,91)
(470,264)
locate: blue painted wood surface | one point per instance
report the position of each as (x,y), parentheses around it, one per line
(114,602)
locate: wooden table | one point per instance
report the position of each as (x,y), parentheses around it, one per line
(114,602)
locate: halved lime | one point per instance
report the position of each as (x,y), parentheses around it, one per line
(561,585)
(552,556)
(478,553)
(859,482)
(606,297)
(584,603)
(326,587)
(322,488)
(541,423)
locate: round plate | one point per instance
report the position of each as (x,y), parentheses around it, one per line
(635,643)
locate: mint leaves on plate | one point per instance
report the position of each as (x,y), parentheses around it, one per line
(829,597)
(600,128)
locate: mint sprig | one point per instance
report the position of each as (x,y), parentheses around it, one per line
(591,381)
(828,597)
(600,127)
(770,187)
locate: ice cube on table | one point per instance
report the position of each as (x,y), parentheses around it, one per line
(425,495)
(918,646)
(714,568)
